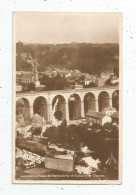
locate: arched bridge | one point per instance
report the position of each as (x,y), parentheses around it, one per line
(74,103)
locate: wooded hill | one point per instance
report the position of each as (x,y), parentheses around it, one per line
(86,57)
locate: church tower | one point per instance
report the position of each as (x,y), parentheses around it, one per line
(36,78)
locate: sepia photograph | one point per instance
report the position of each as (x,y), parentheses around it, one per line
(67,88)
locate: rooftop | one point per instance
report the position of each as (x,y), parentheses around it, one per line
(115,115)
(95,114)
(27,75)
(109,108)
(66,157)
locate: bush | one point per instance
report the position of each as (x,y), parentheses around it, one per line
(58,115)
(62,132)
(73,136)
(96,126)
(107,126)
(52,133)
(31,87)
(37,131)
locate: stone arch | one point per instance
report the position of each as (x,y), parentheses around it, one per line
(89,102)
(103,100)
(40,107)
(23,108)
(115,99)
(74,103)
(58,103)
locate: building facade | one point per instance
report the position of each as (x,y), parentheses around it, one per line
(97,117)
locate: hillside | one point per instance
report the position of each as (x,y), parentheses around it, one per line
(91,58)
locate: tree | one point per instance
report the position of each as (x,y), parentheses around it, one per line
(107,126)
(58,115)
(37,130)
(56,83)
(108,82)
(84,134)
(62,131)
(96,126)
(19,107)
(116,71)
(45,134)
(31,87)
(58,76)
(24,87)
(44,80)
(73,136)
(19,47)
(52,133)
(82,78)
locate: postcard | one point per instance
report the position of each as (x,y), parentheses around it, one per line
(67,97)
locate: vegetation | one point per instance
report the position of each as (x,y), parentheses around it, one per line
(37,130)
(54,83)
(31,87)
(62,132)
(52,133)
(91,58)
(116,71)
(74,135)
(58,115)
(101,139)
(34,147)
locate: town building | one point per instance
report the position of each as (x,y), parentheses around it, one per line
(105,75)
(38,120)
(18,87)
(60,162)
(78,86)
(18,77)
(114,80)
(97,117)
(27,78)
(87,81)
(100,82)
(109,111)
(68,74)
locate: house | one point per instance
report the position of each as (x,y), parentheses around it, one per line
(18,87)
(109,111)
(27,78)
(100,81)
(78,86)
(68,74)
(87,81)
(37,119)
(97,117)
(105,75)
(115,118)
(115,80)
(60,162)
(18,77)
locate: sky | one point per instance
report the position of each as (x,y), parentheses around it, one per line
(57,28)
